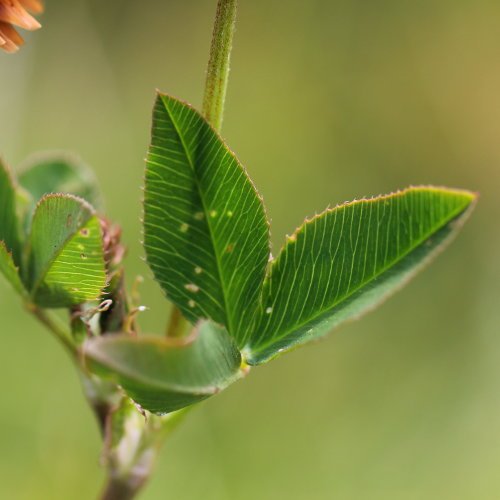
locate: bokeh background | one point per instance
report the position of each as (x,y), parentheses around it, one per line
(328,101)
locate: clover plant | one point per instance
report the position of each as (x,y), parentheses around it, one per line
(206,238)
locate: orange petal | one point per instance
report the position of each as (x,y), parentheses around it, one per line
(9,44)
(14,13)
(35,6)
(9,33)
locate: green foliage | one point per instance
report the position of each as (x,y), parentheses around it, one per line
(66,260)
(206,240)
(166,374)
(58,259)
(9,270)
(59,172)
(206,234)
(9,226)
(206,237)
(346,260)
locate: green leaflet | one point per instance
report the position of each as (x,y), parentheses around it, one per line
(9,269)
(58,172)
(206,233)
(206,240)
(9,226)
(164,375)
(347,260)
(66,262)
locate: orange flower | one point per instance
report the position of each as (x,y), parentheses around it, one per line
(16,12)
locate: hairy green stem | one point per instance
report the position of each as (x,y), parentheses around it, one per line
(218,64)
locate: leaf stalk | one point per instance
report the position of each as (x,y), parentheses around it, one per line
(57,330)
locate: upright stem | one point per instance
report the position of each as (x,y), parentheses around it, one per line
(218,64)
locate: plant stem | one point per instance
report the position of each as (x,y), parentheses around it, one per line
(173,324)
(218,64)
(177,324)
(119,489)
(102,396)
(128,472)
(57,330)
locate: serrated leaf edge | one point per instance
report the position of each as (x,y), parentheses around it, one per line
(93,213)
(161,95)
(458,218)
(22,289)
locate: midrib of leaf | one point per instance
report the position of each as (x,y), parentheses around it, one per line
(207,217)
(56,256)
(262,346)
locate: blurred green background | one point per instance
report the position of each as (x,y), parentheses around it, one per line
(328,101)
